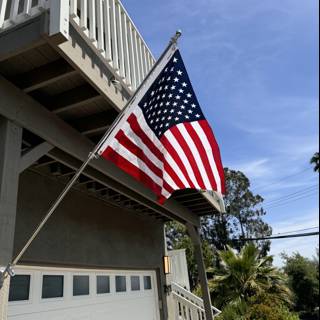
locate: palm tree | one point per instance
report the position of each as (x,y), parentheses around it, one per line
(315,161)
(246,278)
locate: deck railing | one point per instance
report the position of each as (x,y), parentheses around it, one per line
(104,24)
(188,306)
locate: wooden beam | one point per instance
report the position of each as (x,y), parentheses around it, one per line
(71,99)
(22,38)
(43,76)
(24,110)
(34,155)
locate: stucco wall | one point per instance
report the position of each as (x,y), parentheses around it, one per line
(85,231)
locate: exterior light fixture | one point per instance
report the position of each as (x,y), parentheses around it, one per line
(167,265)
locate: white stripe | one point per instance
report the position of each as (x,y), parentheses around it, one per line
(143,124)
(139,143)
(175,144)
(207,146)
(132,158)
(196,155)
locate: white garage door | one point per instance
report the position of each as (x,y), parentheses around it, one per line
(66,294)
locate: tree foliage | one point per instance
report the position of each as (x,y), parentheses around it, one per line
(303,276)
(315,161)
(247,276)
(250,288)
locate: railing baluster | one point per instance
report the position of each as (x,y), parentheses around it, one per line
(73,8)
(131,52)
(100,25)
(136,59)
(84,15)
(120,39)
(144,59)
(3,7)
(126,49)
(107,30)
(114,37)
(27,7)
(140,59)
(92,21)
(14,11)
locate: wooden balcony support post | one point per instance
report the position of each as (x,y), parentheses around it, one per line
(195,237)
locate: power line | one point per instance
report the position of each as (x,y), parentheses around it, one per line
(276,205)
(295,231)
(294,194)
(280,180)
(310,234)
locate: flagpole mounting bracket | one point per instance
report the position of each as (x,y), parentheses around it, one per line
(8,271)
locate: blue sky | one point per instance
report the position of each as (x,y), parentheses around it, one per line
(254,66)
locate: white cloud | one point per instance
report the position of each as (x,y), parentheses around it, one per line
(254,169)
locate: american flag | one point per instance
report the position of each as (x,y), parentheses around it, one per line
(165,142)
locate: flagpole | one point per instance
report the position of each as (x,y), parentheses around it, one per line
(92,155)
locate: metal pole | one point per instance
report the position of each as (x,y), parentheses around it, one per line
(8,270)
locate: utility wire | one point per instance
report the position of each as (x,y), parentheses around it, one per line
(294,194)
(310,234)
(295,231)
(275,205)
(280,180)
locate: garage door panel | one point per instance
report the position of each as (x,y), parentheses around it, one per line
(60,294)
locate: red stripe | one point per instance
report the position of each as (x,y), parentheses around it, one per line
(136,128)
(166,143)
(167,187)
(131,169)
(173,175)
(128,144)
(216,151)
(203,153)
(188,152)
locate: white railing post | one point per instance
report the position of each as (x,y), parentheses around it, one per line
(3,7)
(92,21)
(59,19)
(84,15)
(107,31)
(100,26)
(126,50)
(120,39)
(114,36)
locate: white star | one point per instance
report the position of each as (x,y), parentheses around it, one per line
(189,95)
(161,125)
(198,115)
(168,103)
(172,69)
(165,111)
(163,118)
(166,87)
(175,60)
(163,96)
(156,127)
(179,72)
(193,105)
(173,87)
(167,124)
(190,111)
(152,93)
(161,104)
(175,104)
(176,79)
(187,117)
(172,111)
(169,118)
(160,133)
(158,97)
(145,105)
(178,97)
(179,113)
(184,85)
(176,118)
(182,107)
(169,79)
(159,112)
(181,91)
(186,101)
(158,119)
(166,69)
(151,121)
(170,95)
